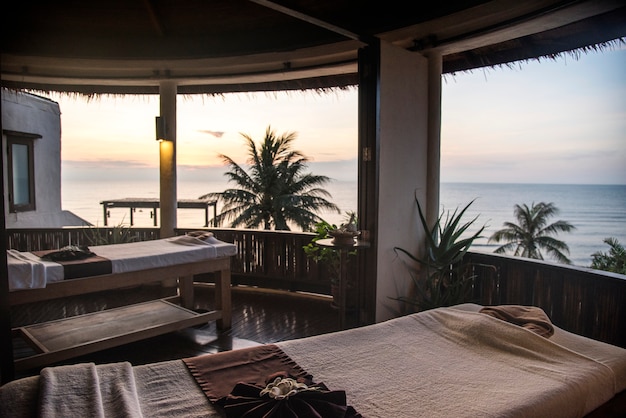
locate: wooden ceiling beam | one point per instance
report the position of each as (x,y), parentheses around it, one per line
(365,38)
(154,17)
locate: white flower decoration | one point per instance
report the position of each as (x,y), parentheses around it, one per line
(282,388)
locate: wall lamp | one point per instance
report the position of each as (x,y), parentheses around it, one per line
(161,129)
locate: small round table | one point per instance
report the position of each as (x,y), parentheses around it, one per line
(343,272)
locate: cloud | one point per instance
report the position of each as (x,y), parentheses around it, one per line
(106,164)
(108,170)
(217,134)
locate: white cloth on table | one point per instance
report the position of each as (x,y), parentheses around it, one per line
(161,253)
(28,271)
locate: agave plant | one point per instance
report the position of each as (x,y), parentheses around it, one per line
(118,234)
(443,279)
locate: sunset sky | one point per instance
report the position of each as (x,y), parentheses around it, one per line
(560,121)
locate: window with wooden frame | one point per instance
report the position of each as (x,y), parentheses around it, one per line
(21,171)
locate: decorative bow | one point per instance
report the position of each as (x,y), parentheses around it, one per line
(288,398)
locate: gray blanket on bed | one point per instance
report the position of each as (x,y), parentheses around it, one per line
(452,363)
(447,362)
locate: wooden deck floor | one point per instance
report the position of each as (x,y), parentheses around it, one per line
(258,317)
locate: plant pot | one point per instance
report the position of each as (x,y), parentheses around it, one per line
(343,237)
(350,297)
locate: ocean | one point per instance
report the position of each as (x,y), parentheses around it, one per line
(597,211)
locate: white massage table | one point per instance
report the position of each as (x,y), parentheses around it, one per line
(131,264)
(447,362)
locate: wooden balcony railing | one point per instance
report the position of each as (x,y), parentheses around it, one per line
(584,301)
(268,259)
(581,300)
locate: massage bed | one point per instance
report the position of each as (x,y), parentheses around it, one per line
(34,277)
(29,272)
(445,362)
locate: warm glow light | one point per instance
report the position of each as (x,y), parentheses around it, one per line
(166,150)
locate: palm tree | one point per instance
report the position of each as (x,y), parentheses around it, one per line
(276,191)
(614,260)
(533,233)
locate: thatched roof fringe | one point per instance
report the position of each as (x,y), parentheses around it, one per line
(575,53)
(469,62)
(319,85)
(94,97)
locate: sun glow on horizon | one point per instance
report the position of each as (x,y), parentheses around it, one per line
(122,128)
(560,121)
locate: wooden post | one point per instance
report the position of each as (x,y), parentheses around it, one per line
(434,137)
(167,153)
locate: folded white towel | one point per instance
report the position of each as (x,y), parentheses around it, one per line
(27,271)
(87,390)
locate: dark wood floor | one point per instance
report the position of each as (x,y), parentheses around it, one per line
(258,318)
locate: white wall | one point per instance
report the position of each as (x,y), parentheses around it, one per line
(31,114)
(403,112)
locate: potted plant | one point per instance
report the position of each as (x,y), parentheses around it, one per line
(329,257)
(441,279)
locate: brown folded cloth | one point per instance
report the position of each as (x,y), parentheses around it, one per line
(529,317)
(234,380)
(69,253)
(200,234)
(77,262)
(217,374)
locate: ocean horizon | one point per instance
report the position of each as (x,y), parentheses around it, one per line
(597,211)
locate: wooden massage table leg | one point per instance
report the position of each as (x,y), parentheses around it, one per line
(223,298)
(185,291)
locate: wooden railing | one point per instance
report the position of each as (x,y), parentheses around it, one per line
(268,259)
(50,238)
(580,300)
(275,260)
